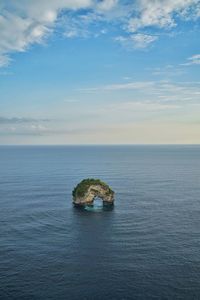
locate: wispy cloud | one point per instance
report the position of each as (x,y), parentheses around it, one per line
(41,130)
(22,126)
(4,60)
(107,5)
(161,14)
(137,85)
(168,71)
(17,120)
(143,106)
(70,100)
(157,91)
(193,60)
(136,41)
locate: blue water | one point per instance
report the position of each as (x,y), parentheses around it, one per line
(147,247)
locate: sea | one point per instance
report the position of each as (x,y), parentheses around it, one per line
(146,247)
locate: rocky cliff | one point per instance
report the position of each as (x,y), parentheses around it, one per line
(88,189)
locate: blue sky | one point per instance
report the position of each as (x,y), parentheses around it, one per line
(99,72)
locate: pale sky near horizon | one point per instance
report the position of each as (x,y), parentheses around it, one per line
(100,72)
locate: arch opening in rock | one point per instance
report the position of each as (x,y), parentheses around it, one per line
(97,202)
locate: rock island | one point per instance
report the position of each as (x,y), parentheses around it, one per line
(88,189)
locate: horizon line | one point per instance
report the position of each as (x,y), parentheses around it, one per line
(138,144)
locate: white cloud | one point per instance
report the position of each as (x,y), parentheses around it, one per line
(193,60)
(136,41)
(168,71)
(145,106)
(164,92)
(23,23)
(79,25)
(75,31)
(107,5)
(4,60)
(159,13)
(137,85)
(17,33)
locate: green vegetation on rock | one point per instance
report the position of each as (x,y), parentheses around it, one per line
(81,189)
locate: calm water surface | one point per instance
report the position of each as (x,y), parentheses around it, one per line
(147,247)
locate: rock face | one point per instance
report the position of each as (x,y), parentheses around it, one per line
(88,189)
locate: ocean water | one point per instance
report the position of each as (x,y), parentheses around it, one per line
(147,247)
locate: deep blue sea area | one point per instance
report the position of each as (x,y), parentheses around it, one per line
(147,247)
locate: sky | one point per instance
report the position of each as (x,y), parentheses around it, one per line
(99,72)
